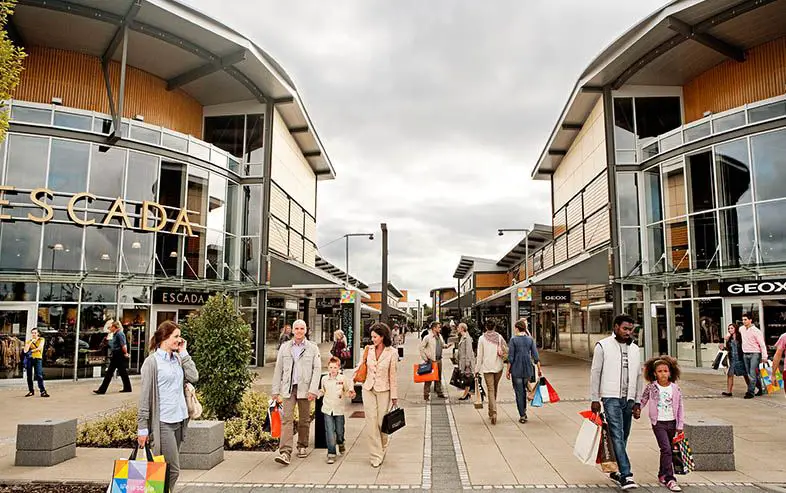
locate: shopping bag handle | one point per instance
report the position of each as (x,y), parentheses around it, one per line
(148,452)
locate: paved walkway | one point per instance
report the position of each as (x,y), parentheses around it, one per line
(447,445)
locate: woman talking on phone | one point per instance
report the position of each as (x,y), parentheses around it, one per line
(163,415)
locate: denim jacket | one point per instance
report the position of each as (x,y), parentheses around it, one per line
(651,393)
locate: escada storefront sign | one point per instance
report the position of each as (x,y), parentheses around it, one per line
(754,288)
(176,297)
(117,212)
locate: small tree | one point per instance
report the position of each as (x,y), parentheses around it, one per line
(219,341)
(10,63)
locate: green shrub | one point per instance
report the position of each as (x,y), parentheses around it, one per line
(245,432)
(117,430)
(219,341)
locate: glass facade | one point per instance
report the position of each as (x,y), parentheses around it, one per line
(87,231)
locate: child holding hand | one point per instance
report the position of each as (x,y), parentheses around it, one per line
(666,412)
(334,389)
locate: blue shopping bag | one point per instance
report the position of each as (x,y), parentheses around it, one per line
(537,400)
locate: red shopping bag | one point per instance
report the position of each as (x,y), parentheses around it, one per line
(427,377)
(595,418)
(275,414)
(553,396)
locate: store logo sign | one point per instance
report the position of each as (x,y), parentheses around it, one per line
(173,297)
(117,212)
(556,296)
(754,288)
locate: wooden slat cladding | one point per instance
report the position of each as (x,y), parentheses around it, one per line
(732,84)
(77,79)
(491,280)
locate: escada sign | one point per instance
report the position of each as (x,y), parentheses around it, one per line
(117,212)
(174,297)
(754,288)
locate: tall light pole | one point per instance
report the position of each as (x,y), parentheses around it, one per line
(346,237)
(384,306)
(526,246)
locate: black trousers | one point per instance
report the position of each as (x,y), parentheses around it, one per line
(120,363)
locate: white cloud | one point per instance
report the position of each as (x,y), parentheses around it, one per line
(433,114)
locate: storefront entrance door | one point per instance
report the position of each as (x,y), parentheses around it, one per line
(734,308)
(16,319)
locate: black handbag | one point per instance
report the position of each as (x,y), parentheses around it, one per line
(393,421)
(459,379)
(424,368)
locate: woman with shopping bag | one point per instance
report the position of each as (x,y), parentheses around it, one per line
(380,390)
(733,346)
(163,412)
(492,351)
(466,359)
(521,356)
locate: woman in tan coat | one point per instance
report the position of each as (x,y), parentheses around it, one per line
(380,391)
(466,357)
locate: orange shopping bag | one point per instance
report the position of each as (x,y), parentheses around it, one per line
(426,377)
(273,419)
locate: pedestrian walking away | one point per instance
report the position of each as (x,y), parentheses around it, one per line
(334,390)
(34,363)
(432,348)
(733,347)
(492,351)
(666,412)
(340,349)
(466,358)
(615,380)
(777,360)
(380,389)
(118,359)
(522,355)
(754,352)
(296,382)
(286,334)
(162,418)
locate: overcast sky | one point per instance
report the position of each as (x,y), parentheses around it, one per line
(433,114)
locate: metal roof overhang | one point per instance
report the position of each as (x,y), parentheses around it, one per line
(539,236)
(128,280)
(467,300)
(290,277)
(336,272)
(674,45)
(192,52)
(585,268)
(752,271)
(370,309)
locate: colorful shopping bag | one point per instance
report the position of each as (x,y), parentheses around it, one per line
(681,455)
(606,457)
(537,400)
(543,390)
(272,424)
(765,373)
(553,396)
(140,476)
(433,376)
(587,442)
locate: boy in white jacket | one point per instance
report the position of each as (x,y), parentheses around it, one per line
(334,390)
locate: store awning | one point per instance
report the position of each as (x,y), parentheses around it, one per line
(672,277)
(501,297)
(369,309)
(296,279)
(584,268)
(467,300)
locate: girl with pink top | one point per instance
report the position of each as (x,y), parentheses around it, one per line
(666,412)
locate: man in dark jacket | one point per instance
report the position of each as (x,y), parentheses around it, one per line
(522,353)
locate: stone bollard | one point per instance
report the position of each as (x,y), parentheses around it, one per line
(203,447)
(712,443)
(45,443)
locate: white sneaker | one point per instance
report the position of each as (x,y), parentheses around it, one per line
(302,453)
(331,459)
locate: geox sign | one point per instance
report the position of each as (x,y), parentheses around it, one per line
(754,288)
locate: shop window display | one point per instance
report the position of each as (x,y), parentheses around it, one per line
(93,345)
(134,322)
(57,323)
(681,313)
(13,328)
(711,329)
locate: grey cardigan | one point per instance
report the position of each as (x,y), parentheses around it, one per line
(149,412)
(466,357)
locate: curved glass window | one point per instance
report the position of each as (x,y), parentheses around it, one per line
(26,165)
(68,166)
(769,163)
(142,183)
(734,173)
(20,243)
(101,249)
(772,231)
(62,248)
(106,172)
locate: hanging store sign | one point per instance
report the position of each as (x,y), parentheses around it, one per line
(524,294)
(754,288)
(556,296)
(153,216)
(326,306)
(177,297)
(525,309)
(347,296)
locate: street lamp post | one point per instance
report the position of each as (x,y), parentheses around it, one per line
(346,238)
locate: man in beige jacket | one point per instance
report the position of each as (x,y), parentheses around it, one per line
(431,349)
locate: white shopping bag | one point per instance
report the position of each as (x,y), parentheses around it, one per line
(587,442)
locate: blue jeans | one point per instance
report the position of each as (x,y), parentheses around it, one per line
(520,389)
(752,361)
(36,364)
(619,415)
(334,432)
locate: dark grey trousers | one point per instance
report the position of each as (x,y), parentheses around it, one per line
(171,438)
